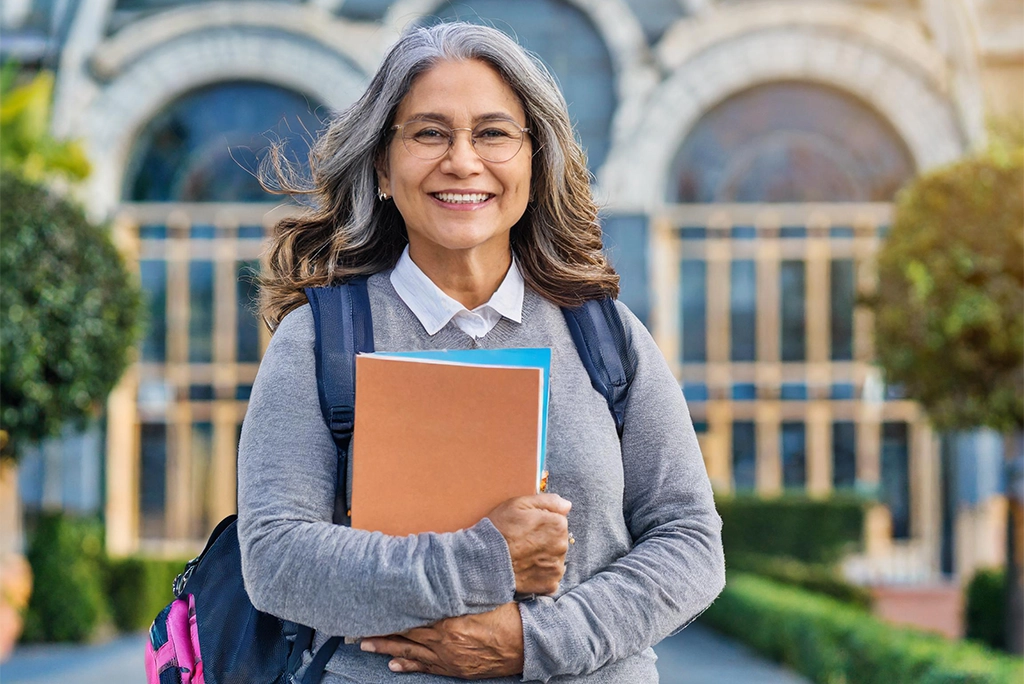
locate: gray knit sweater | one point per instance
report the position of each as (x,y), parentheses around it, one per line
(648,552)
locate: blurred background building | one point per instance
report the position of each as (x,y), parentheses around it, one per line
(746,154)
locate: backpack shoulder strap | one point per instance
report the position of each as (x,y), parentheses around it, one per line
(344,328)
(601,341)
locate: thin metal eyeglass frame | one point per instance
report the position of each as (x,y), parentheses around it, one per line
(451,140)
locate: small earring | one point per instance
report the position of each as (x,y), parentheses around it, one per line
(382,196)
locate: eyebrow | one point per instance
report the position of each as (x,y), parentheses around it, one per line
(491,116)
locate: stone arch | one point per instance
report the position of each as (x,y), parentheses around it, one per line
(905,87)
(193,60)
(632,62)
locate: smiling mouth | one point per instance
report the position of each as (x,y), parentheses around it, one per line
(455,198)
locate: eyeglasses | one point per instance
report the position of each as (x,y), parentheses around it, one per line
(495,141)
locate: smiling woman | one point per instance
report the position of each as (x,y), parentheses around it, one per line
(457,186)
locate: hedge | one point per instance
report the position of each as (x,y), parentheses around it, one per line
(985,602)
(798,527)
(68,601)
(834,643)
(138,589)
(821,579)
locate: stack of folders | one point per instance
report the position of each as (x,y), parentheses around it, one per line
(443,437)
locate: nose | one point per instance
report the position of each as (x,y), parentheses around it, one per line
(461,158)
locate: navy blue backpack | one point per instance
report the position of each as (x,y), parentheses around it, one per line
(211,633)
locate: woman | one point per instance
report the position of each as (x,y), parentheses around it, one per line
(457,183)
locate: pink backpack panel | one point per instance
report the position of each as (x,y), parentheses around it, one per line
(172,654)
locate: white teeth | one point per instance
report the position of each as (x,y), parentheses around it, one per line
(453,198)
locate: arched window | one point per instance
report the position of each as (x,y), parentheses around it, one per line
(565,39)
(204,147)
(791,142)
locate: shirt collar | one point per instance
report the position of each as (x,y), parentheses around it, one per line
(434,308)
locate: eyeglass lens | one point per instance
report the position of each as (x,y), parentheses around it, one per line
(495,141)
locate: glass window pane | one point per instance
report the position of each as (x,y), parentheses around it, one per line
(153,480)
(895,485)
(153,274)
(793,324)
(205,146)
(693,297)
(247,292)
(793,391)
(844,454)
(744,391)
(843,296)
(794,455)
(744,455)
(791,142)
(743,310)
(200,323)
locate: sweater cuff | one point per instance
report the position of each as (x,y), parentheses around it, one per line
(483,567)
(551,646)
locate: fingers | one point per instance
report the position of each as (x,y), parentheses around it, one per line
(404,665)
(550,502)
(399,647)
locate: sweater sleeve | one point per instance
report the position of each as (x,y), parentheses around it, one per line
(676,567)
(297,564)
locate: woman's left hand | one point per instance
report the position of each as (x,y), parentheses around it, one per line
(469,646)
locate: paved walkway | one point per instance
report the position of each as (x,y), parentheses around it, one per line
(694,656)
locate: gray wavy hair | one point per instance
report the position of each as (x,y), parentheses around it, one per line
(349,232)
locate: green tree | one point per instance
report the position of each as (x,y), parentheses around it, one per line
(69,308)
(949,309)
(69,311)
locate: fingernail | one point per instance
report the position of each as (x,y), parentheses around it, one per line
(367,646)
(395,666)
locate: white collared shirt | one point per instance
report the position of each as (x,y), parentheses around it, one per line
(434,308)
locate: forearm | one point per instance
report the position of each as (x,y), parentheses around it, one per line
(355,583)
(669,578)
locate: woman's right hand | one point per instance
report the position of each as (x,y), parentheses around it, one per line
(537,532)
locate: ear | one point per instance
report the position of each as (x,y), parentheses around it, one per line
(380,166)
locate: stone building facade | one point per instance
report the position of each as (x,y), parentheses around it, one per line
(746,153)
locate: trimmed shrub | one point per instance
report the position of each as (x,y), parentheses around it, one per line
(834,643)
(139,588)
(70,310)
(68,602)
(821,579)
(798,527)
(985,608)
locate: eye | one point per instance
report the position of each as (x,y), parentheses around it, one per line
(429,134)
(495,133)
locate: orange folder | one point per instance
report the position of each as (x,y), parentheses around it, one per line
(437,445)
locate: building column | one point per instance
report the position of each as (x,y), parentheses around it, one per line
(222,495)
(123,456)
(819,448)
(665,323)
(719,444)
(123,468)
(818,304)
(768,476)
(869,449)
(768,296)
(177,513)
(924,481)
